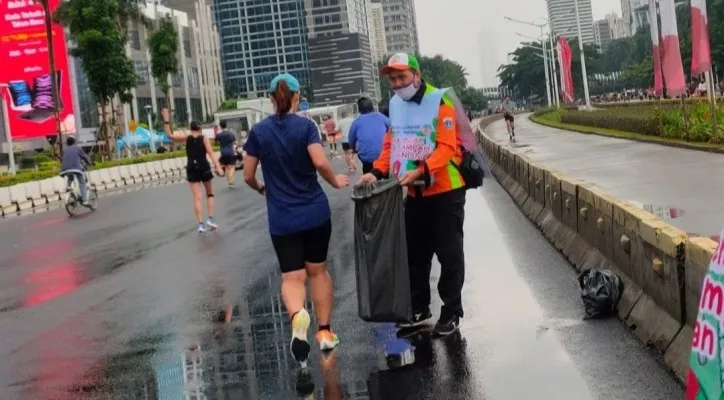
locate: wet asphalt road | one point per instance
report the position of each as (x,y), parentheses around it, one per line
(125,304)
(663,179)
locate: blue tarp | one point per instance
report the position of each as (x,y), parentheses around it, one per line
(141,138)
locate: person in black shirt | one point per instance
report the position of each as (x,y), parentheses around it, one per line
(198,169)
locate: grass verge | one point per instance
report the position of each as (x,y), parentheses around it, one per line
(590,130)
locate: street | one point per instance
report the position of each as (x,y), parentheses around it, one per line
(124,303)
(655,176)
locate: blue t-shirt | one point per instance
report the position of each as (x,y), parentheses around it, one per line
(295,200)
(367,134)
(226,140)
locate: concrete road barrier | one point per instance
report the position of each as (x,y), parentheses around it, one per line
(47,190)
(6,203)
(32,192)
(662,269)
(115,174)
(20,198)
(96,181)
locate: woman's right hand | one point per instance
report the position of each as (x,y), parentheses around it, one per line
(366,179)
(342,181)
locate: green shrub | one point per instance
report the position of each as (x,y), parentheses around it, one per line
(643,120)
(542,111)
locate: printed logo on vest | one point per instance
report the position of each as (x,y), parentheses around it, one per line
(427,130)
(448,122)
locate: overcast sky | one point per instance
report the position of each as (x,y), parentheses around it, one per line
(475,34)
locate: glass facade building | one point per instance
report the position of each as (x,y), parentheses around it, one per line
(259,39)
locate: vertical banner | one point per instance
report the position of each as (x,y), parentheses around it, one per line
(671,60)
(706,373)
(26,71)
(656,53)
(700,50)
(565,57)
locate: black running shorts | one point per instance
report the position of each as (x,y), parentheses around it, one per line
(308,246)
(346,147)
(196,176)
(228,160)
(509,117)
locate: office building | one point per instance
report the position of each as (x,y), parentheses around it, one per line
(378,39)
(196,90)
(603,33)
(563,19)
(340,59)
(400,26)
(260,39)
(628,12)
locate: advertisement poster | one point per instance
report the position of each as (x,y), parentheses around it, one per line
(25,81)
(706,379)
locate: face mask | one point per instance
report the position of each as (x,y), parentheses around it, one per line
(407,92)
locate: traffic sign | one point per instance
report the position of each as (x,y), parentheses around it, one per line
(304,105)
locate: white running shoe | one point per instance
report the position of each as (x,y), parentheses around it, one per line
(300,345)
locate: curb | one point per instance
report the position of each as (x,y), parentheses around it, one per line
(678,145)
(38,196)
(662,268)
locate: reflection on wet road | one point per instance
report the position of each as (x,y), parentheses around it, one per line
(130,303)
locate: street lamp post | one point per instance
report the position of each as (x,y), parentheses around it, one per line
(53,74)
(553,64)
(555,93)
(8,134)
(583,57)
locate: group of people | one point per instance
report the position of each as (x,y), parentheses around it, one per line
(299,214)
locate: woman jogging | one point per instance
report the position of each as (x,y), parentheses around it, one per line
(198,169)
(289,148)
(509,118)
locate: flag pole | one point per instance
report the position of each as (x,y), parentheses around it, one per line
(712,103)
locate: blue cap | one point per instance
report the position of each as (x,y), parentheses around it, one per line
(291,81)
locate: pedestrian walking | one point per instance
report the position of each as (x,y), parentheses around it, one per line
(227,142)
(367,133)
(198,169)
(299,214)
(421,150)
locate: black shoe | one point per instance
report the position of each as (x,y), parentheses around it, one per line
(447,325)
(304,384)
(418,319)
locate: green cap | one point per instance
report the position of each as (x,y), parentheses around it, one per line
(400,62)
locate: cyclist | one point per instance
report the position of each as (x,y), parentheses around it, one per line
(74,162)
(509,118)
(198,170)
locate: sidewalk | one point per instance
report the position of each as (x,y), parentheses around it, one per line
(685,186)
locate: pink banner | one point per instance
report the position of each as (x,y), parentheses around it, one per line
(565,56)
(700,50)
(671,57)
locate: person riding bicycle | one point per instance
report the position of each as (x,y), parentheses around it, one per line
(74,163)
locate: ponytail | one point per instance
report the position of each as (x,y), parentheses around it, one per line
(282,97)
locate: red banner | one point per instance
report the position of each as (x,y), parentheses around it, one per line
(565,57)
(25,81)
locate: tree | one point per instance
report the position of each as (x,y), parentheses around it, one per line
(474,99)
(163,46)
(100,47)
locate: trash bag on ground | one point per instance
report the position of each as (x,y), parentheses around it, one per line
(380,246)
(600,291)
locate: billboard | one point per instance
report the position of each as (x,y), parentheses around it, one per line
(25,80)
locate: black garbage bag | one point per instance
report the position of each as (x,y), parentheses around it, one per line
(380,247)
(600,291)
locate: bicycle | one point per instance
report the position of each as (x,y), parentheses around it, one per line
(73,198)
